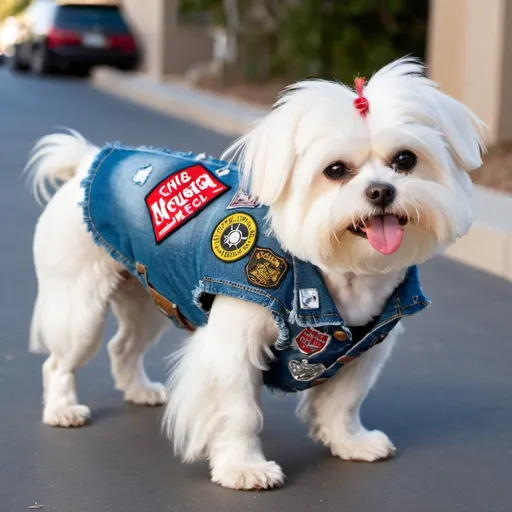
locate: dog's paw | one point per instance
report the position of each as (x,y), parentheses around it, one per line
(365,446)
(153,393)
(263,475)
(67,416)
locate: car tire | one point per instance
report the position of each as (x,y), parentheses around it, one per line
(83,71)
(39,62)
(14,63)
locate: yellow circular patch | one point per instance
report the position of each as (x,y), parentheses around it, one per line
(234,237)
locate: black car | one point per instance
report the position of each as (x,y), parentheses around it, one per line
(73,35)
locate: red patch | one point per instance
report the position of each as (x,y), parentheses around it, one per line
(175,200)
(310,340)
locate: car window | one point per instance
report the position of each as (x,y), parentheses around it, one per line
(83,16)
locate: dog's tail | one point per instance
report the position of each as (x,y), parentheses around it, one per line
(54,160)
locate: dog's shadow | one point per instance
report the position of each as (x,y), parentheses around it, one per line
(105,413)
(415,421)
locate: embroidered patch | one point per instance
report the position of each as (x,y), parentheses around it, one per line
(310,341)
(180,196)
(308,298)
(265,268)
(142,175)
(241,200)
(304,371)
(234,237)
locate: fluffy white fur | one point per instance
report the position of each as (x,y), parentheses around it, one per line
(214,408)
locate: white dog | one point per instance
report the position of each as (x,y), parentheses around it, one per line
(357,186)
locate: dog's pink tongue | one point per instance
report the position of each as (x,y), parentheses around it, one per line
(384,233)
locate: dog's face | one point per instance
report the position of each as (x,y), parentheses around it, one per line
(365,194)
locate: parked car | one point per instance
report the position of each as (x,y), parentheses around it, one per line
(73,35)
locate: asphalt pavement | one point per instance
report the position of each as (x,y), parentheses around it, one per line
(444,399)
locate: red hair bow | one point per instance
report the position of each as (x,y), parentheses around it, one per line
(361,103)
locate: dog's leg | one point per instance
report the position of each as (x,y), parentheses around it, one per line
(333,408)
(214,403)
(140,325)
(71,321)
(76,279)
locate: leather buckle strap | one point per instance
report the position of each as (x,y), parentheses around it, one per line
(167,307)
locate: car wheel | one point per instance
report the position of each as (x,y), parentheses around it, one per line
(39,62)
(14,63)
(83,71)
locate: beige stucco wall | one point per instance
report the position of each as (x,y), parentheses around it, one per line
(505,105)
(187,46)
(168,47)
(470,55)
(145,16)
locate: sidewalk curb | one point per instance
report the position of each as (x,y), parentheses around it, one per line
(208,110)
(487,247)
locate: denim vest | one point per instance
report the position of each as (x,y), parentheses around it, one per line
(182,225)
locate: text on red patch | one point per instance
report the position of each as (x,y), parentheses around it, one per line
(179,197)
(310,340)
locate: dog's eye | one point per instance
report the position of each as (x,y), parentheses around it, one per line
(404,161)
(336,171)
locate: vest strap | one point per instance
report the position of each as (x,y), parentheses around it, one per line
(163,303)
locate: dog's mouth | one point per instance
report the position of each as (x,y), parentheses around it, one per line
(384,232)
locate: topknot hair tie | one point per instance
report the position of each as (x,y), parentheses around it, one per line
(361,103)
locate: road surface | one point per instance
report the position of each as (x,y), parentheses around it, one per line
(445,398)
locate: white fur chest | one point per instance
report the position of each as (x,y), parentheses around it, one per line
(359,298)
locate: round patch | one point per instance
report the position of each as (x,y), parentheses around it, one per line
(234,237)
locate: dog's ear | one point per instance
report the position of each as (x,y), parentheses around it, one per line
(266,155)
(404,80)
(463,130)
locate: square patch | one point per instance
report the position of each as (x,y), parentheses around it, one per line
(181,196)
(265,268)
(309,299)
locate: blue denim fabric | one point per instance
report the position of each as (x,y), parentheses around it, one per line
(183,268)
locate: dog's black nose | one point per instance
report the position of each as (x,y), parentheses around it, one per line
(381,194)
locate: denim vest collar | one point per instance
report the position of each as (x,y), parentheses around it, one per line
(407,298)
